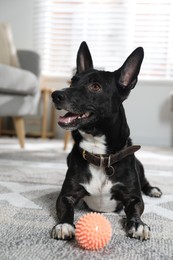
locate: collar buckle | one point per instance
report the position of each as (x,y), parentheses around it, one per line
(101,160)
(84,154)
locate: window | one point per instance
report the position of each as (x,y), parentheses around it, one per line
(112,29)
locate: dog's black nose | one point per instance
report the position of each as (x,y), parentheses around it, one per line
(58,96)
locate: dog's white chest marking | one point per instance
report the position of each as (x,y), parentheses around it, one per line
(99,189)
(99,186)
(93,144)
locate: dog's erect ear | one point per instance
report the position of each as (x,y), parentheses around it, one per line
(84,59)
(130,69)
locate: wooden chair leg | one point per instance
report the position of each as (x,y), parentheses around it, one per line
(66,139)
(20,130)
(45,94)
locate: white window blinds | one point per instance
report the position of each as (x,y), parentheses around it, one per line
(112,29)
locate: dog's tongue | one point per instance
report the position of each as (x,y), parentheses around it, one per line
(67,118)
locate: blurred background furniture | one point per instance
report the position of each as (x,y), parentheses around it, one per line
(67,137)
(43,124)
(19,90)
(19,83)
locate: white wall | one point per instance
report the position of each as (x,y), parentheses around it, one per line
(20,14)
(148,107)
(149,113)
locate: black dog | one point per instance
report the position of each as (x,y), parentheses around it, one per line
(102,168)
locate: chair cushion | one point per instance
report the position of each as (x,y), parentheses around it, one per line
(8,53)
(17,81)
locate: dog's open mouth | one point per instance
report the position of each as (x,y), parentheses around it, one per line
(71,120)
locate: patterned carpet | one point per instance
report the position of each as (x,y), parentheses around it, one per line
(30,180)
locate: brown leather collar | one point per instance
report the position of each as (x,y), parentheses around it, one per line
(107,161)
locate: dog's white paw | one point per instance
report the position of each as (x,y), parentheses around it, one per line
(155,192)
(63,231)
(142,232)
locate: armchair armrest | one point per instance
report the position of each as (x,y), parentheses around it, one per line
(29,60)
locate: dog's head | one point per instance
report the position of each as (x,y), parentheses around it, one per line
(95,95)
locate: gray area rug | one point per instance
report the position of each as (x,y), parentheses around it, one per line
(30,181)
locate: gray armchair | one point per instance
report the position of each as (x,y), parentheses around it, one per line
(19,90)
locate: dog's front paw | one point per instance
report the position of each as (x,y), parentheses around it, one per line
(63,231)
(155,192)
(138,229)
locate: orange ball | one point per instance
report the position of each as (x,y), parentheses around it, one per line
(93,231)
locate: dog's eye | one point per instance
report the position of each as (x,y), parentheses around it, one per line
(95,87)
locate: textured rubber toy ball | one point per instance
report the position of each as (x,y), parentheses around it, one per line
(93,231)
